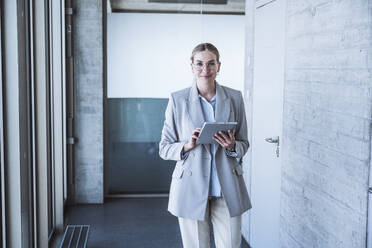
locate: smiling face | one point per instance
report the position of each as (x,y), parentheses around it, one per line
(205,67)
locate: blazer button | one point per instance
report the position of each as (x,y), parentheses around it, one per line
(189,173)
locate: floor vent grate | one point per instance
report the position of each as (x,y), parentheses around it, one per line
(75,236)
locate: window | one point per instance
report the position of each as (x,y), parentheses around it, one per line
(27,128)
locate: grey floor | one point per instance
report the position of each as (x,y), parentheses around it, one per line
(130,222)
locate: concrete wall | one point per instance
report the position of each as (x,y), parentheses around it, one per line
(327,123)
(88,76)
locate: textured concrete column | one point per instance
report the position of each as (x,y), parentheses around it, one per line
(88,76)
(327,124)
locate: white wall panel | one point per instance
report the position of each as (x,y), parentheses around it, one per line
(148,55)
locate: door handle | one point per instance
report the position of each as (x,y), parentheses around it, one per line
(274,139)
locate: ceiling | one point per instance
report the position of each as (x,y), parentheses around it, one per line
(153,6)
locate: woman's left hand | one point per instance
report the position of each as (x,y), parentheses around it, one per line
(226,141)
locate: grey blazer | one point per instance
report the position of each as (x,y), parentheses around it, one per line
(189,188)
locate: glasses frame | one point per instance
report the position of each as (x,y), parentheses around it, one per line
(211,65)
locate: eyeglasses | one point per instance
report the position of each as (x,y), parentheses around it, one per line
(210,65)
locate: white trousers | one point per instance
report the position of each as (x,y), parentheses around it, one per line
(227,230)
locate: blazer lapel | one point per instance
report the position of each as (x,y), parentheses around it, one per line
(194,107)
(223,105)
(195,111)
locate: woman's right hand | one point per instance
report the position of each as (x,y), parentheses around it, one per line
(191,144)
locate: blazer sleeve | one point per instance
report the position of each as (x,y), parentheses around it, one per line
(241,135)
(170,148)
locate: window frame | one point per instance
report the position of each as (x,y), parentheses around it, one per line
(32,121)
(2,167)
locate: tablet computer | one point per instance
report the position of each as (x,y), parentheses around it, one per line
(211,128)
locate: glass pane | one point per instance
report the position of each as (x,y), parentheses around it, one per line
(133,134)
(149,44)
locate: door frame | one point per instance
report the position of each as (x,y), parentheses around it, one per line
(251,7)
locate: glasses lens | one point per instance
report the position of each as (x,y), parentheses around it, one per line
(210,65)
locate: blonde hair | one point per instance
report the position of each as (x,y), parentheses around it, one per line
(205,47)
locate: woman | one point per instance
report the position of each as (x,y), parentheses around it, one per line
(207,182)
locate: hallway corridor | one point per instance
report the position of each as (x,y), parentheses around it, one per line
(84,91)
(129,223)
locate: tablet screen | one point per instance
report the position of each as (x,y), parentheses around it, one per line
(209,129)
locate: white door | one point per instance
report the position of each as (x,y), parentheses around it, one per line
(267,122)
